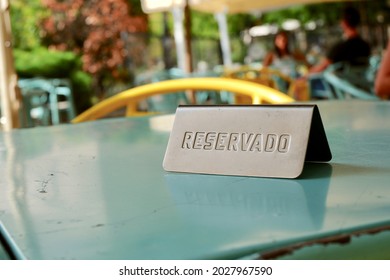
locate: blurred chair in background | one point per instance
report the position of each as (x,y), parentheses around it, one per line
(44,100)
(129,99)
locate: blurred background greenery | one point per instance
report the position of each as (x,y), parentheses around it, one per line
(102,46)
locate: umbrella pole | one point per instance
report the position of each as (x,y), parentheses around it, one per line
(224,38)
(188,37)
(178,32)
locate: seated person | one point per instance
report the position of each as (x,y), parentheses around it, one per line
(282,58)
(353,49)
(285,61)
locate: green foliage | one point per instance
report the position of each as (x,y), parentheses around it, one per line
(328,13)
(42,62)
(278,17)
(32,59)
(204,28)
(238,50)
(82,87)
(55,64)
(239,22)
(25,18)
(204,25)
(155,24)
(136,8)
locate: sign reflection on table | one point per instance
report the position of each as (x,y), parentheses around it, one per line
(271,204)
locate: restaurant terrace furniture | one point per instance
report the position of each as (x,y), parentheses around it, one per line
(97,190)
(56,97)
(346,82)
(254,94)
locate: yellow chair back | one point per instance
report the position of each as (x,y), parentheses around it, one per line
(256,93)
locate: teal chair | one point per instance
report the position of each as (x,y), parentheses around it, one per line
(342,81)
(40,95)
(349,82)
(319,88)
(35,97)
(62,100)
(36,110)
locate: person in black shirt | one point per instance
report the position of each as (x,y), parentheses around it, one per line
(353,49)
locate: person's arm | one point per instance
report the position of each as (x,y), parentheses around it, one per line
(301,58)
(335,54)
(268,59)
(321,66)
(382,81)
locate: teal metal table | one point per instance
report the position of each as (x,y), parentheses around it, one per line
(97,190)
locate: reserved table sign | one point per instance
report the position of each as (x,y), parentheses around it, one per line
(250,140)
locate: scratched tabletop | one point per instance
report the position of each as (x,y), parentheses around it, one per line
(97,190)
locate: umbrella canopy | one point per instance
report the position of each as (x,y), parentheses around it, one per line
(242,6)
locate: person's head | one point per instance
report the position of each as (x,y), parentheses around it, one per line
(281,43)
(350,18)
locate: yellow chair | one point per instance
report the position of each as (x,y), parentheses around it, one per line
(257,93)
(263,75)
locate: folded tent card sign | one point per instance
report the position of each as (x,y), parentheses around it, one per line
(249,140)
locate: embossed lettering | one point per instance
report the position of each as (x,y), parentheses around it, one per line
(246,141)
(187,140)
(257,143)
(284,143)
(237,142)
(221,141)
(233,142)
(270,144)
(210,139)
(199,140)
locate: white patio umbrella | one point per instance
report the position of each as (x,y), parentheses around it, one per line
(9,98)
(244,6)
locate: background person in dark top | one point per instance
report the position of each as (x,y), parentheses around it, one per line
(353,49)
